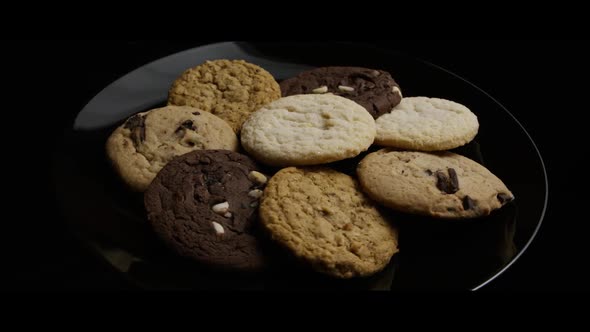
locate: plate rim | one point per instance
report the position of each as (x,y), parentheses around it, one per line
(546,201)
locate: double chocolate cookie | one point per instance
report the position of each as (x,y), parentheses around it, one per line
(375,90)
(204,206)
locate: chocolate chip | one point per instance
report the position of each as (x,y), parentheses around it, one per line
(454,181)
(442,182)
(468,203)
(188,124)
(196,113)
(449,185)
(504,198)
(134,122)
(137,126)
(429,172)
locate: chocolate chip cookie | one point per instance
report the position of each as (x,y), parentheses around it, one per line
(375,90)
(147,141)
(204,206)
(437,184)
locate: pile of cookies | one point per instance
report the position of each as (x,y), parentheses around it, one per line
(235,152)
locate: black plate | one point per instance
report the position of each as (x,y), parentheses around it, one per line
(434,254)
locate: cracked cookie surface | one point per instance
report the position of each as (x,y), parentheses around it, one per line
(204,205)
(230,89)
(375,90)
(147,141)
(323,218)
(308,130)
(437,184)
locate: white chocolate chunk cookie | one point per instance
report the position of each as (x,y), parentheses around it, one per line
(437,184)
(426,124)
(147,141)
(308,130)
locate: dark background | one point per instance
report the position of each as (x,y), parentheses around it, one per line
(543,83)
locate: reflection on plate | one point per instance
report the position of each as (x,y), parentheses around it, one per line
(433,254)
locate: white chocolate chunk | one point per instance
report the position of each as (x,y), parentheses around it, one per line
(218,228)
(321,89)
(345,88)
(257,177)
(256,193)
(221,208)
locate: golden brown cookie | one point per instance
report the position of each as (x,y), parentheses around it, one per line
(322,217)
(437,184)
(147,141)
(230,89)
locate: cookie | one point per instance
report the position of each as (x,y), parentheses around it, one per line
(375,90)
(437,184)
(204,205)
(230,89)
(147,141)
(426,124)
(322,217)
(308,130)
